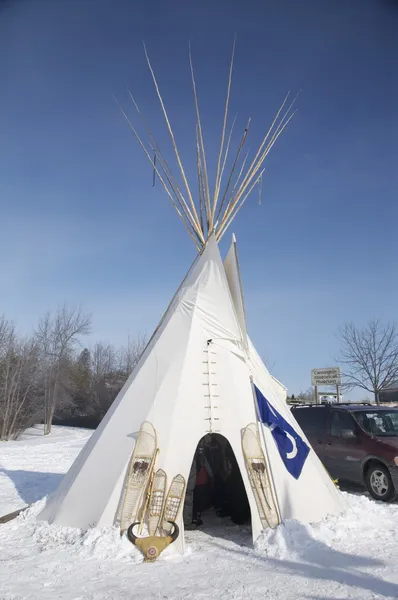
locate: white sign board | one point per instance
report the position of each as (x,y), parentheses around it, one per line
(329,376)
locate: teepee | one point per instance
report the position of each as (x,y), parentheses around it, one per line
(199,374)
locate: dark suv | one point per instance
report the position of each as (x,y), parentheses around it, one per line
(356,443)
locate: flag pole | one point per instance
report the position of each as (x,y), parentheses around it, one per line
(261,430)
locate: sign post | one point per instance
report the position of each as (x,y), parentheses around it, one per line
(327,376)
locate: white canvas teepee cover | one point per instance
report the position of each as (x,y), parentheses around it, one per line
(171,389)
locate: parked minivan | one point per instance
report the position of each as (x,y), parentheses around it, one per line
(356,443)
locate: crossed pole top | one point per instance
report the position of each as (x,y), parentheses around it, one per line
(210,211)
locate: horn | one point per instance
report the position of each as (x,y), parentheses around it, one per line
(130,533)
(176,531)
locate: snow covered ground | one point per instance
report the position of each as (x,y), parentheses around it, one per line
(352,556)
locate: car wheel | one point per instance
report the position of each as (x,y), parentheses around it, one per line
(379,483)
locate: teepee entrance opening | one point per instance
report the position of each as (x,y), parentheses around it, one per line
(215,490)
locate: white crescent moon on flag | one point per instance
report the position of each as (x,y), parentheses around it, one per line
(293,452)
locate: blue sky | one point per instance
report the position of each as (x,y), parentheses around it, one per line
(81,223)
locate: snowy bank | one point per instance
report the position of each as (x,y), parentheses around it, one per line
(350,556)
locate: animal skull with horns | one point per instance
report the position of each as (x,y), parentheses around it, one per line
(152,546)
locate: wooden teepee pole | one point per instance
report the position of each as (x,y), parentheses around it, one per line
(201,188)
(242,142)
(208,214)
(186,222)
(174,144)
(222,229)
(169,175)
(247,182)
(201,149)
(280,124)
(219,172)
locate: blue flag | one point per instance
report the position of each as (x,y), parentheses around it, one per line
(292,448)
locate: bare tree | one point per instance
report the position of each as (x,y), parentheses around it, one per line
(369,356)
(103,365)
(110,369)
(6,327)
(8,342)
(308,397)
(130,354)
(57,337)
(20,392)
(45,376)
(81,380)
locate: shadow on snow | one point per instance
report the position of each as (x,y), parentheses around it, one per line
(316,560)
(32,485)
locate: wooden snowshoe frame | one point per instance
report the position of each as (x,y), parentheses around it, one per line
(259,476)
(156,501)
(139,475)
(173,502)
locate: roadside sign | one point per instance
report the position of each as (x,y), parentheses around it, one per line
(327,376)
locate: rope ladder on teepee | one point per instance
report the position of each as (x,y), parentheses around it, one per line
(211,391)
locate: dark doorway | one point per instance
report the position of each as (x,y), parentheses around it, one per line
(215,490)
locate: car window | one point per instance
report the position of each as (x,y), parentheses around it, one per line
(379,423)
(341,420)
(311,420)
